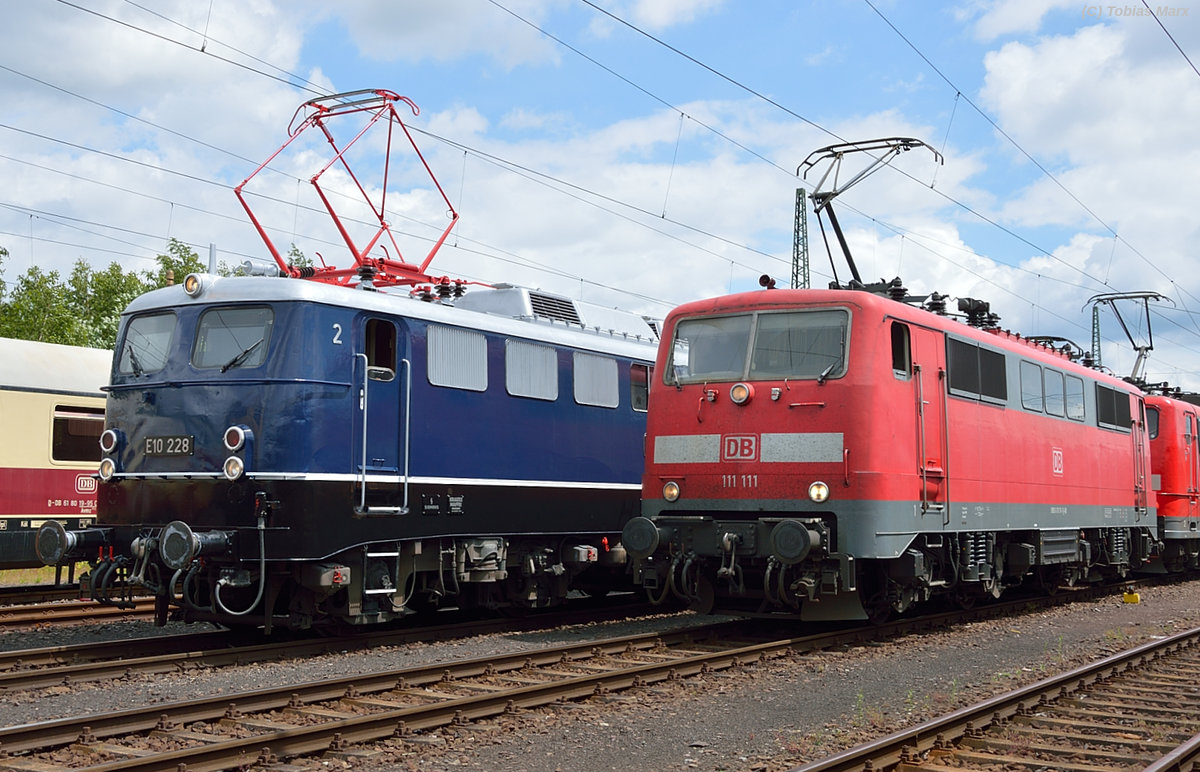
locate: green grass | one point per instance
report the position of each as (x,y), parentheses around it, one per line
(19,577)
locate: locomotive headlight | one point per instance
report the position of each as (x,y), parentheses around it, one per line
(741,393)
(235,438)
(193,285)
(818,492)
(234,468)
(108,468)
(109,441)
(671,491)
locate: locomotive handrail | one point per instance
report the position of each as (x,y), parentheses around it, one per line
(362,508)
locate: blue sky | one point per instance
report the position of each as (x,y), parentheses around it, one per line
(645,154)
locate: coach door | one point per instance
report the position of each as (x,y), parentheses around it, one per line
(929,398)
(382,428)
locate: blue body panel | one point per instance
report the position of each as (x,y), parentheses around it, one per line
(477,462)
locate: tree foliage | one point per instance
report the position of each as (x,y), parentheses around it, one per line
(84,308)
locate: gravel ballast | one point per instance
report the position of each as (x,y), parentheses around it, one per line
(770,716)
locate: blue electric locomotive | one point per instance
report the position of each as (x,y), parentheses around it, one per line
(350,445)
(283,452)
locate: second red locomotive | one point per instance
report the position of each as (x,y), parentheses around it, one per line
(840,454)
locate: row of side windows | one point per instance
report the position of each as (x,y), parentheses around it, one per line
(457,359)
(1044,390)
(978,372)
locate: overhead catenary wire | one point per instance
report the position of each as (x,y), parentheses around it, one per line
(293,80)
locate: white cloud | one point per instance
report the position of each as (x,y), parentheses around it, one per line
(1007,17)
(389,31)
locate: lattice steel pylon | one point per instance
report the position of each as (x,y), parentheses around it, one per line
(800,242)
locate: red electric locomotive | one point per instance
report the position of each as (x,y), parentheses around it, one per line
(1173,425)
(839,454)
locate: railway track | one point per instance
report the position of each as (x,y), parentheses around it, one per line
(23,670)
(238,729)
(29,669)
(37,593)
(71,611)
(332,715)
(1136,710)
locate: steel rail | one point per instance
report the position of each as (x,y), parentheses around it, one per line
(63,731)
(50,666)
(908,744)
(70,611)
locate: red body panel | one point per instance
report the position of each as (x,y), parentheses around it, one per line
(1176,462)
(42,493)
(903,437)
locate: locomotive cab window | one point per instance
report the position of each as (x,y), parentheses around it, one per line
(901,351)
(1152,422)
(762,346)
(146,344)
(380,346)
(530,370)
(233,337)
(710,349)
(76,433)
(809,344)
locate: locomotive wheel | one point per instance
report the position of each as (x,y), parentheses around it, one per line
(965,599)
(878,607)
(873,589)
(1049,580)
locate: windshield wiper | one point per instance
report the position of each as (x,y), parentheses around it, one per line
(825,373)
(133,360)
(237,360)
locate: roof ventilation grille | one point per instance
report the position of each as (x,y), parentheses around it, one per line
(554,307)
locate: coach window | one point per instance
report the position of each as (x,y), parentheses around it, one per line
(1054,395)
(76,433)
(146,344)
(1112,408)
(237,336)
(457,358)
(639,386)
(530,370)
(1031,386)
(595,380)
(901,351)
(1074,398)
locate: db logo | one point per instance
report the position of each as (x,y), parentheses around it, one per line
(1056,461)
(85,483)
(739,447)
